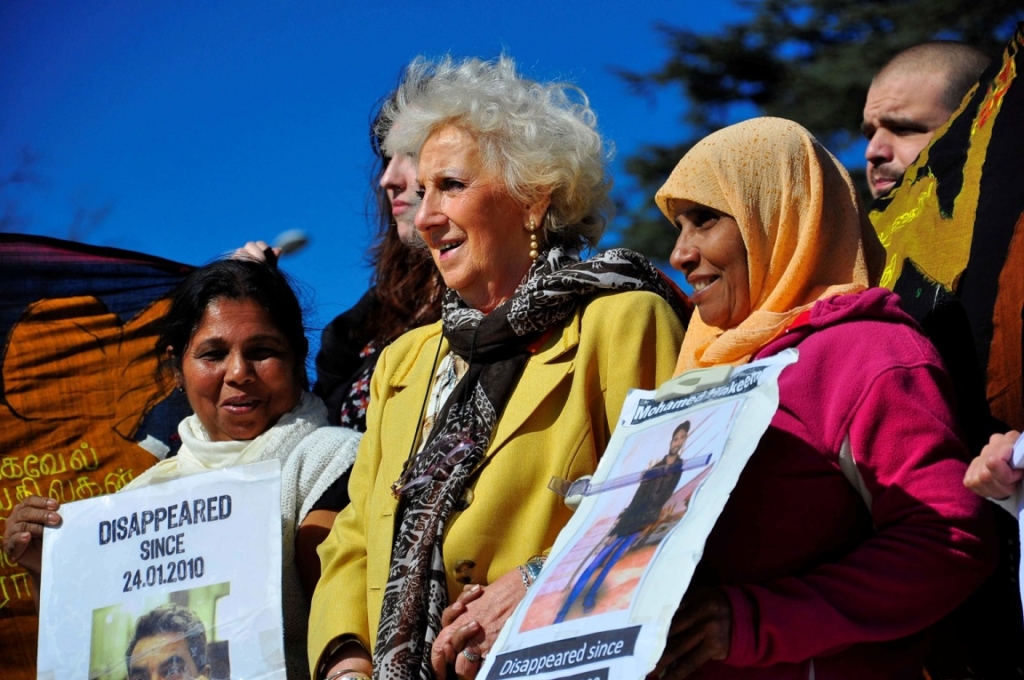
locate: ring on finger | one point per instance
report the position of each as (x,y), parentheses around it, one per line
(470,657)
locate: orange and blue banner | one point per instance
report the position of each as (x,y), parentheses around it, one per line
(83,409)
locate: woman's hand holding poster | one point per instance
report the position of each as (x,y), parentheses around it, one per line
(185,573)
(604,602)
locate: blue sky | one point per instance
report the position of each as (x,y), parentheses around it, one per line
(201,125)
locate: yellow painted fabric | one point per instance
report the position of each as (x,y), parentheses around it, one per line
(556,423)
(804,228)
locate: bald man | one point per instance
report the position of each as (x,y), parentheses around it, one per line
(910,98)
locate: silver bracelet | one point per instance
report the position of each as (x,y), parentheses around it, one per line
(347,674)
(531,570)
(526,576)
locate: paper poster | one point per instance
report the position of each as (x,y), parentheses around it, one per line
(602,606)
(180,577)
(1017,462)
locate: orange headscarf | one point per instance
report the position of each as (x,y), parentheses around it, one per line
(806,233)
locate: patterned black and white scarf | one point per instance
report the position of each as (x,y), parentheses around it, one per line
(495,346)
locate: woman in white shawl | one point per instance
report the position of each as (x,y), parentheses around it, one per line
(234,342)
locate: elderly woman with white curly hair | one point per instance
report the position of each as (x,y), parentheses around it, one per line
(522,379)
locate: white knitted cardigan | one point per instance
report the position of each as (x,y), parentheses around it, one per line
(312,457)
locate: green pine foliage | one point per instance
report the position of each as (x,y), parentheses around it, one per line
(807,60)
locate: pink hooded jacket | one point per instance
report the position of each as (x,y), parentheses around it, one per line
(827,580)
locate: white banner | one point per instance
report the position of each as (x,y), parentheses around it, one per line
(141,579)
(602,606)
(1017,462)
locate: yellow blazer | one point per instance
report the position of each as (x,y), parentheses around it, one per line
(557,422)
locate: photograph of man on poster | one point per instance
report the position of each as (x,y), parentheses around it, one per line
(171,636)
(640,517)
(647,493)
(169,644)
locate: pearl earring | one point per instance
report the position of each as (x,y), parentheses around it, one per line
(534,245)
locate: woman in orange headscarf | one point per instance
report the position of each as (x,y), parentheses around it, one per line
(849,532)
